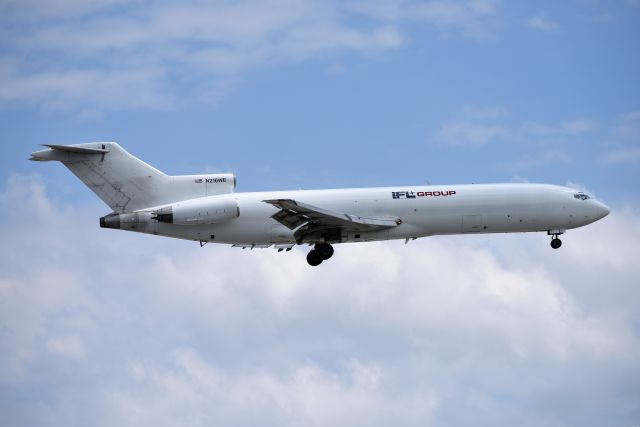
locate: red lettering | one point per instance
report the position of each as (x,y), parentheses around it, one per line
(400,194)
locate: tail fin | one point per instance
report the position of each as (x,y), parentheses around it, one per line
(126,183)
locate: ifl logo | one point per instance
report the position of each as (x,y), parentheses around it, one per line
(403,194)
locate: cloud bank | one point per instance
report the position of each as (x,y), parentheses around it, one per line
(115,55)
(102,327)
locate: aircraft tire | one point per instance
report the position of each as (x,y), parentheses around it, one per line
(314,258)
(556,243)
(325,250)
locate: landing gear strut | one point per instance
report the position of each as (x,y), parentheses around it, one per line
(555,242)
(321,252)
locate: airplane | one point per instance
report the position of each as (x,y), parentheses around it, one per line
(205,208)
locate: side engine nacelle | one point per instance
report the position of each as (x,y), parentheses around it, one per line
(205,210)
(127,221)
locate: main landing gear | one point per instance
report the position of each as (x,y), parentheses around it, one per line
(555,242)
(321,252)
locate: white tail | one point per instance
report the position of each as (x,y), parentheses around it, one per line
(128,184)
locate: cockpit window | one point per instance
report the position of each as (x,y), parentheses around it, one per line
(581,196)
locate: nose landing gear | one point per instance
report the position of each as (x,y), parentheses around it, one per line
(321,252)
(555,242)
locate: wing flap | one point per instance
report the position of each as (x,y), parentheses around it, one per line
(293,214)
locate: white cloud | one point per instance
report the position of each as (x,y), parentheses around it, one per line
(99,56)
(539,158)
(624,146)
(86,88)
(628,127)
(542,23)
(497,330)
(469,133)
(482,112)
(464,17)
(382,333)
(578,126)
(190,388)
(623,155)
(579,187)
(113,55)
(474,125)
(53,9)
(573,127)
(479,125)
(69,347)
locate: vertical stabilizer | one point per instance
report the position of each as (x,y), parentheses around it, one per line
(122,181)
(128,184)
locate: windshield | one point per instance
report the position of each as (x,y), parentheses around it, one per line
(581,196)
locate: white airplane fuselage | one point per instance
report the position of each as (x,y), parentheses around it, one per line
(205,208)
(449,209)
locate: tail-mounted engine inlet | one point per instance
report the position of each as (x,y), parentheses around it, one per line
(163,215)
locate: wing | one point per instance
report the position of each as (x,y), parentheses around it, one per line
(310,219)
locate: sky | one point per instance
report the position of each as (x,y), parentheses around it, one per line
(102,327)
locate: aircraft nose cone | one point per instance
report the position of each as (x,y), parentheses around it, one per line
(602,210)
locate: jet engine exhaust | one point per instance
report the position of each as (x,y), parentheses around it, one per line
(110,221)
(126,221)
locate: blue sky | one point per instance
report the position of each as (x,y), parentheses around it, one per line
(287,109)
(316,94)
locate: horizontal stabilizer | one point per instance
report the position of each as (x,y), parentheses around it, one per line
(75,149)
(66,152)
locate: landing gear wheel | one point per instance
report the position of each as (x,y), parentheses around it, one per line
(556,243)
(325,250)
(314,258)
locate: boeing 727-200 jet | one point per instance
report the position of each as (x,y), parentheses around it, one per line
(205,208)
